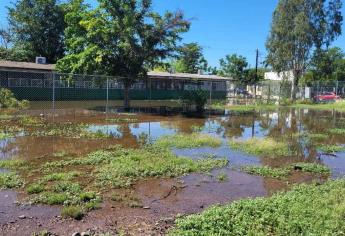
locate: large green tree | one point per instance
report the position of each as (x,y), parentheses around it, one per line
(299,26)
(37,27)
(119,38)
(234,66)
(190,59)
(328,64)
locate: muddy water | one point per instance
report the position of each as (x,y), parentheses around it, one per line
(168,197)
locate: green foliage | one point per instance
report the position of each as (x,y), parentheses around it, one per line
(121,38)
(266,171)
(7,100)
(10,180)
(193,140)
(60,176)
(311,167)
(222,177)
(262,147)
(195,97)
(337,106)
(338,131)
(306,210)
(35,188)
(190,59)
(296,30)
(5,135)
(151,161)
(75,212)
(328,64)
(234,66)
(38,28)
(330,148)
(12,164)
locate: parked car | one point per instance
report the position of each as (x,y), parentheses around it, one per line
(327,96)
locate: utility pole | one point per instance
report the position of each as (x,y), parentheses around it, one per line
(256,71)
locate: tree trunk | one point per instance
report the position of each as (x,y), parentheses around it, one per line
(294,85)
(126,101)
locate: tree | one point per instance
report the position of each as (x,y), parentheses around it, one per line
(190,59)
(234,66)
(326,64)
(119,38)
(297,27)
(37,27)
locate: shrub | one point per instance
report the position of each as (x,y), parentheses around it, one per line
(7,100)
(35,188)
(75,212)
(195,97)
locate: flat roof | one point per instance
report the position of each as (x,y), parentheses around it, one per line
(26,65)
(154,74)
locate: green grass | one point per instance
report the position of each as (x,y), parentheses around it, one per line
(75,212)
(10,180)
(339,131)
(261,147)
(337,106)
(245,108)
(12,164)
(311,167)
(150,161)
(317,137)
(35,188)
(5,135)
(331,148)
(306,210)
(122,120)
(193,140)
(222,177)
(60,176)
(265,171)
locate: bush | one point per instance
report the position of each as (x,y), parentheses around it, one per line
(7,100)
(75,212)
(195,97)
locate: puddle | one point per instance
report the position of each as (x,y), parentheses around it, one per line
(191,193)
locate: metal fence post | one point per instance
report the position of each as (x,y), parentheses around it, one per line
(53,78)
(107,103)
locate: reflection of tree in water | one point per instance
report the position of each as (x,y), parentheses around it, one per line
(183,125)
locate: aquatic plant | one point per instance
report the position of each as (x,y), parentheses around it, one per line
(261,147)
(329,149)
(222,177)
(10,180)
(5,135)
(193,140)
(266,171)
(311,167)
(60,176)
(339,131)
(306,210)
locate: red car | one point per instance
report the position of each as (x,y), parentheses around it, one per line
(327,96)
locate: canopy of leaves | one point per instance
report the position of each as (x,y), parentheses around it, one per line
(190,59)
(37,27)
(234,66)
(119,37)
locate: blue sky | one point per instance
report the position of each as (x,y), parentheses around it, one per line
(220,26)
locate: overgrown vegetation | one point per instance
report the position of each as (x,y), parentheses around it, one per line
(306,210)
(244,108)
(193,140)
(330,149)
(311,167)
(337,106)
(262,147)
(266,171)
(7,100)
(10,180)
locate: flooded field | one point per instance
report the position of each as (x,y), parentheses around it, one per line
(223,160)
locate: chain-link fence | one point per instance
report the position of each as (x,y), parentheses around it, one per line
(51,93)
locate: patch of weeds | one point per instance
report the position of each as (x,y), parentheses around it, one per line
(128,199)
(10,180)
(311,167)
(60,176)
(196,128)
(63,187)
(12,164)
(5,135)
(261,147)
(8,100)
(317,137)
(51,198)
(75,212)
(92,205)
(193,140)
(151,161)
(35,188)
(6,117)
(59,154)
(87,196)
(266,171)
(122,120)
(305,210)
(329,149)
(30,121)
(336,131)
(222,177)
(42,233)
